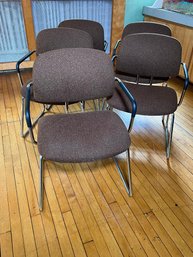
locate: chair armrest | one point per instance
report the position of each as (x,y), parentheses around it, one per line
(19,62)
(115,47)
(105,45)
(27,112)
(132,100)
(113,59)
(186,83)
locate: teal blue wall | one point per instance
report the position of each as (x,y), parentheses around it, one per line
(133,10)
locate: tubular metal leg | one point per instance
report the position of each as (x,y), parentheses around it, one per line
(48,107)
(41,184)
(127,182)
(129,173)
(170,137)
(22,115)
(82,106)
(66,107)
(103,104)
(168,133)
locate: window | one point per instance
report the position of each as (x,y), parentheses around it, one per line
(13,44)
(48,14)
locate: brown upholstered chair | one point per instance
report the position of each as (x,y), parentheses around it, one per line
(146,27)
(152,56)
(76,75)
(47,40)
(141,27)
(95,29)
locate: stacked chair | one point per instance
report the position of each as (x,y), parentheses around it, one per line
(95,29)
(48,40)
(143,27)
(135,28)
(70,75)
(152,57)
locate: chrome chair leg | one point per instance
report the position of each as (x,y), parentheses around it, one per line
(82,106)
(22,116)
(103,104)
(66,107)
(170,137)
(126,181)
(41,184)
(168,133)
(48,107)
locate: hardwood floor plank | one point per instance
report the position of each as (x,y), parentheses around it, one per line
(39,233)
(28,235)
(15,219)
(6,245)
(4,206)
(74,206)
(74,235)
(91,250)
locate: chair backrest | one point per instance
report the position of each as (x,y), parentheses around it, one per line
(146,27)
(72,74)
(149,55)
(57,38)
(95,29)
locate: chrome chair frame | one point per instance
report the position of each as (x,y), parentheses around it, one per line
(148,31)
(167,125)
(126,181)
(168,130)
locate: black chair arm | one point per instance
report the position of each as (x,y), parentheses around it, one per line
(115,47)
(27,112)
(27,105)
(186,83)
(132,100)
(19,62)
(113,59)
(105,45)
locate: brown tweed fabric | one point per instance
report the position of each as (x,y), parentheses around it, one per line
(151,100)
(82,137)
(148,55)
(70,75)
(146,27)
(57,38)
(94,28)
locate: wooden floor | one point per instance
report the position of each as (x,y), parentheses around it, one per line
(87,211)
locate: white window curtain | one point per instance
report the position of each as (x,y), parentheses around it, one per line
(48,14)
(13,44)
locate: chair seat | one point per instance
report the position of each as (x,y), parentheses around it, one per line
(151,100)
(82,137)
(24,89)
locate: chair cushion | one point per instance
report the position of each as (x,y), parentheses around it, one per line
(82,137)
(151,100)
(24,89)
